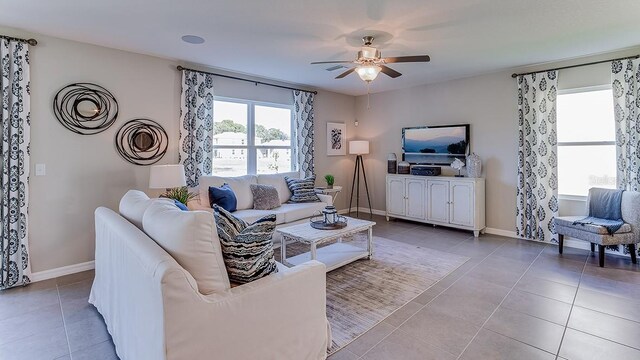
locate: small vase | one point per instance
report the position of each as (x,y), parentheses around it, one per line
(392,163)
(474,166)
(329,186)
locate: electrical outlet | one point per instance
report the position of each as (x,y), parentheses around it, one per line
(41,170)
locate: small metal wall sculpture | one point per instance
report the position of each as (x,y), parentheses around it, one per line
(85,108)
(141,141)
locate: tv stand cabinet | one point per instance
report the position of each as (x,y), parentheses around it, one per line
(456,202)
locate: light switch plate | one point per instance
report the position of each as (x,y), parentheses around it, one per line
(41,170)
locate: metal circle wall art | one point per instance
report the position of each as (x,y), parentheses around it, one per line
(141,141)
(85,108)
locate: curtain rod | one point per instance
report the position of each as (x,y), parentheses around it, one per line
(247,80)
(32,42)
(579,65)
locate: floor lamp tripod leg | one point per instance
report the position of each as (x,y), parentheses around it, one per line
(364,174)
(358,161)
(353,184)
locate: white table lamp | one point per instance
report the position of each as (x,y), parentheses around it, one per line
(359,148)
(166,176)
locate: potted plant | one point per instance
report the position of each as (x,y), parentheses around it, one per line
(181,194)
(329,179)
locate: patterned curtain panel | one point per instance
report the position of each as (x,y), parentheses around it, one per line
(537,195)
(303,108)
(625,79)
(196,126)
(15,96)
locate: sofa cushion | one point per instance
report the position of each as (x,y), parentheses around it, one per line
(191,238)
(247,249)
(303,189)
(601,230)
(180,205)
(239,184)
(251,215)
(223,196)
(294,212)
(278,182)
(133,205)
(265,197)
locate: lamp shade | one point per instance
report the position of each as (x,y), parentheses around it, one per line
(358,147)
(166,176)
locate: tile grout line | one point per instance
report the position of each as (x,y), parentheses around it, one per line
(566,325)
(500,304)
(64,322)
(429,302)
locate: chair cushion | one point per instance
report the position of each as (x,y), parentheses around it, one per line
(133,205)
(294,212)
(239,185)
(615,239)
(303,189)
(265,197)
(567,221)
(224,197)
(191,238)
(247,249)
(277,181)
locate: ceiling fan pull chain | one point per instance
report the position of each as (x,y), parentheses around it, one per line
(368,103)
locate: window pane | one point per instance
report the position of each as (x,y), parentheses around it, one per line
(271,161)
(273,126)
(584,167)
(230,123)
(230,162)
(586,116)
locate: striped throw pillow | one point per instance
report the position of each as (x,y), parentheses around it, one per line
(303,190)
(247,249)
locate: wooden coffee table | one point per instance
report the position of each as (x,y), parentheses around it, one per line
(334,255)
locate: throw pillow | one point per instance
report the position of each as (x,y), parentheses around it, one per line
(302,189)
(247,249)
(265,197)
(223,196)
(180,205)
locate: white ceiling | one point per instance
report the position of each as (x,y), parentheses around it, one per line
(277,39)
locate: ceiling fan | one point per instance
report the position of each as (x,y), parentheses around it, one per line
(369,62)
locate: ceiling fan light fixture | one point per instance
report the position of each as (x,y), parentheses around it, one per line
(368,73)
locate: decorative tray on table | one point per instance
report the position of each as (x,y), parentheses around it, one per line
(317,222)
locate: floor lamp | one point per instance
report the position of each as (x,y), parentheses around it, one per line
(359,148)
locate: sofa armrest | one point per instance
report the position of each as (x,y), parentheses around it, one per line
(326,198)
(281,316)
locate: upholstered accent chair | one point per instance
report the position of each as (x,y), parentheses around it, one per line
(628,234)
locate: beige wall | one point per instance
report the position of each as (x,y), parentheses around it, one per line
(84,172)
(487,102)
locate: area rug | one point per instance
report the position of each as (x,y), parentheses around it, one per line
(362,294)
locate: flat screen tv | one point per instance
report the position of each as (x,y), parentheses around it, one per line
(435,145)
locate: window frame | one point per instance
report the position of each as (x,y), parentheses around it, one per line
(577,90)
(250,145)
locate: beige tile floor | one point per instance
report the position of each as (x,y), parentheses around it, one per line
(513,300)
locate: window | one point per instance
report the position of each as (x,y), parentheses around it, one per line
(586,140)
(252,137)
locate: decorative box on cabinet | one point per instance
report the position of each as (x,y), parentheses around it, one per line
(439,200)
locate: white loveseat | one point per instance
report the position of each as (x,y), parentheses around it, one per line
(158,306)
(285,214)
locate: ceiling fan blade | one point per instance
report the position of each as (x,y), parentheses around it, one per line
(401,59)
(389,71)
(345,73)
(332,62)
(335,67)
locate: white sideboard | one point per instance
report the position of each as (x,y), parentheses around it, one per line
(439,200)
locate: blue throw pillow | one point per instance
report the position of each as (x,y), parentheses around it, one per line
(224,197)
(181,206)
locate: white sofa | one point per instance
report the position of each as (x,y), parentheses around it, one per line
(286,214)
(156,309)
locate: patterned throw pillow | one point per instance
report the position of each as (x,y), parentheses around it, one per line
(302,189)
(247,249)
(265,197)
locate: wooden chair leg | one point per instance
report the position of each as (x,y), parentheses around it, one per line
(634,253)
(560,243)
(601,255)
(593,247)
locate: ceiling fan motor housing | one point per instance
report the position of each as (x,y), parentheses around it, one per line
(368,53)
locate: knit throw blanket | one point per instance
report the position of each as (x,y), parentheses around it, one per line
(605,209)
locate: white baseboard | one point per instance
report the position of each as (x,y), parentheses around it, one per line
(500,232)
(363,210)
(61,271)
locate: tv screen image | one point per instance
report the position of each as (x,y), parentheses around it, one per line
(438,145)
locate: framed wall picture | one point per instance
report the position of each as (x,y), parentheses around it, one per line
(336,139)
